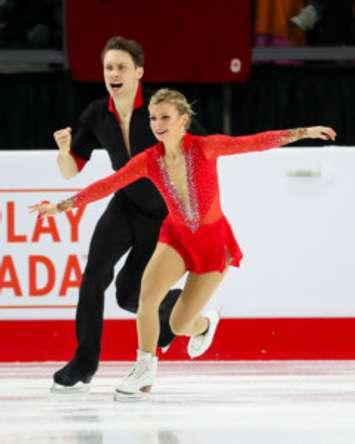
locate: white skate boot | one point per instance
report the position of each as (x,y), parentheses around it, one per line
(198,344)
(140,379)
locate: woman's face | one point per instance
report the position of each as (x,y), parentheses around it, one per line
(121,75)
(166,123)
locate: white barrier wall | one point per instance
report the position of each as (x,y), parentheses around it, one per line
(292,210)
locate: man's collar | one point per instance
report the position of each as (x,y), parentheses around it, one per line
(138,102)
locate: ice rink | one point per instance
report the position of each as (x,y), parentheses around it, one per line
(192,402)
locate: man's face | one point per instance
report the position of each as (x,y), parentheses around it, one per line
(120,73)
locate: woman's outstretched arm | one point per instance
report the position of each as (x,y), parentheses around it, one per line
(135,169)
(221,145)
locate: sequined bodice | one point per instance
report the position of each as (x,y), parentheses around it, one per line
(183,211)
(202,204)
(183,205)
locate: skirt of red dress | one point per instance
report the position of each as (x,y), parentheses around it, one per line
(211,248)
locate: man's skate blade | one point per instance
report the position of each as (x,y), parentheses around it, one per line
(79,387)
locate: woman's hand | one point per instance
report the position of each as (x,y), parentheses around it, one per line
(320,132)
(44,209)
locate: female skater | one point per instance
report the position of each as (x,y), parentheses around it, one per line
(195,237)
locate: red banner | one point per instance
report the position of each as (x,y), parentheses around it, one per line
(184,41)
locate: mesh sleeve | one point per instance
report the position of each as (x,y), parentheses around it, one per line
(222,145)
(132,171)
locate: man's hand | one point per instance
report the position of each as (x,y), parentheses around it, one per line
(63,140)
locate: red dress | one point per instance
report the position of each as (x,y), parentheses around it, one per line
(198,231)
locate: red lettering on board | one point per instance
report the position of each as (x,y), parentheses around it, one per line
(7,266)
(34,289)
(72,267)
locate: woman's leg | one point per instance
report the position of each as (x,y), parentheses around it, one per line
(186,319)
(164,269)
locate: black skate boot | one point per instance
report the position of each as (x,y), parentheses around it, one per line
(73,377)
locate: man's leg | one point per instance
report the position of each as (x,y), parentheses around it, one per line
(111,239)
(128,281)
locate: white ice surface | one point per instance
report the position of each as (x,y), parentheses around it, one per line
(285,402)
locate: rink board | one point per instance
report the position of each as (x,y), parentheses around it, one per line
(292,211)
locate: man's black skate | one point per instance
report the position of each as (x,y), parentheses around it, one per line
(73,377)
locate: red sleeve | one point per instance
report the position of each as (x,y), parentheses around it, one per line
(132,171)
(221,145)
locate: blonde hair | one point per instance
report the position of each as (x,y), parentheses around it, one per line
(175,98)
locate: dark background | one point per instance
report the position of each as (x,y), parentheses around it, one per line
(272,96)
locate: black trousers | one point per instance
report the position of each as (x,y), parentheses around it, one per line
(120,228)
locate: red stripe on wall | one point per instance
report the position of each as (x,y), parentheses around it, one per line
(236,339)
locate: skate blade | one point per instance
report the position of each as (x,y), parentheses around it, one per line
(79,387)
(123,396)
(127,397)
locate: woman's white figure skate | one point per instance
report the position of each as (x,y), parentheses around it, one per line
(198,344)
(140,379)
